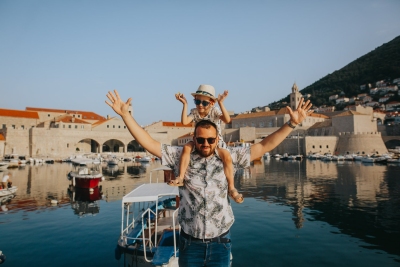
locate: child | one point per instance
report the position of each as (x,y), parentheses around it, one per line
(204,99)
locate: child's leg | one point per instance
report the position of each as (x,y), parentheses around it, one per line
(183,164)
(228,170)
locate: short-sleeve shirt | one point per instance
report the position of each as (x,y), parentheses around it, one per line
(205,210)
(213,116)
(5,178)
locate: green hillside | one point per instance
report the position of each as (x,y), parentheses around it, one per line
(383,63)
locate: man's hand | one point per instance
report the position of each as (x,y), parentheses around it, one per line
(120,107)
(181,98)
(302,111)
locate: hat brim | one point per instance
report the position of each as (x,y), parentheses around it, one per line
(194,94)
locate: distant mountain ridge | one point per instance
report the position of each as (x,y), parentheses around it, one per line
(383,63)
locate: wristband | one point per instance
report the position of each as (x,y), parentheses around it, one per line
(289,123)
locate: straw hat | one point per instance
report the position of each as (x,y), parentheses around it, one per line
(205,90)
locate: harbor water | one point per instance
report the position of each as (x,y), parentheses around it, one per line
(295,213)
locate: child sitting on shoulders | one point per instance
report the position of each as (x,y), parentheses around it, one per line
(204,99)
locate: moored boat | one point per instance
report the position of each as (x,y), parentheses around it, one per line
(8,191)
(3,165)
(151,237)
(84,177)
(145,159)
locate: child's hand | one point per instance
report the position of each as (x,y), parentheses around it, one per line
(222,97)
(181,98)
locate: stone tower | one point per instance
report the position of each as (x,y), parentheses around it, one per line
(295,97)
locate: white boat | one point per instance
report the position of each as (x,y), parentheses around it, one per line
(393,160)
(112,160)
(9,191)
(3,165)
(22,160)
(314,156)
(85,177)
(368,159)
(38,160)
(277,156)
(340,158)
(151,238)
(145,159)
(12,159)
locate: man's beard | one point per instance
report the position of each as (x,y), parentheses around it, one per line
(204,153)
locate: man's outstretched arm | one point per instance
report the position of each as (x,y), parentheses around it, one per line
(140,135)
(274,139)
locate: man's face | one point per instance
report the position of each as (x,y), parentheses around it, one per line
(205,149)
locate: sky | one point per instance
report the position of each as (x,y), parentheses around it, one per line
(69,54)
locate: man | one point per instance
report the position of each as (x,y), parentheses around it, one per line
(205,214)
(6,181)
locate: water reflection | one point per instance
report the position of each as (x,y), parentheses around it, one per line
(46,185)
(360,200)
(85,201)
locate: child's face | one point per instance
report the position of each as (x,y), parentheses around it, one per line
(204,109)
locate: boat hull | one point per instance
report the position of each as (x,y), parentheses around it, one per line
(85,181)
(9,191)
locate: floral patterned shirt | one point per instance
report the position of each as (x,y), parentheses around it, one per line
(205,210)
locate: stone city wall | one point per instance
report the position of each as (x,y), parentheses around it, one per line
(365,143)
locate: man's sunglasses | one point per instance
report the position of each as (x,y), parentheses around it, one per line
(198,102)
(202,140)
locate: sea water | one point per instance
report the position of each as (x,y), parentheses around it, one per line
(295,213)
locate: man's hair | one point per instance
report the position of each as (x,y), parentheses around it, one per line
(205,124)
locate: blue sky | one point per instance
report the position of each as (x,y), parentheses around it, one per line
(68,54)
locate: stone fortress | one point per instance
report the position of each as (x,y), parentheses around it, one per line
(56,133)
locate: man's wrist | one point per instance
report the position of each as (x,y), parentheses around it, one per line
(290,124)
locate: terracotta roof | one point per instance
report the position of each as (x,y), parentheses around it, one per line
(175,124)
(86,115)
(281,111)
(19,113)
(69,119)
(97,123)
(256,114)
(318,115)
(2,138)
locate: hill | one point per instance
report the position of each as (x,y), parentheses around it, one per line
(383,63)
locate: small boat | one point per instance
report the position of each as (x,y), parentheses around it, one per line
(3,165)
(112,160)
(22,160)
(314,156)
(368,159)
(84,177)
(145,159)
(49,161)
(12,159)
(393,160)
(150,238)
(8,191)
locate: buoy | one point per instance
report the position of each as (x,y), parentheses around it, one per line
(54,201)
(91,190)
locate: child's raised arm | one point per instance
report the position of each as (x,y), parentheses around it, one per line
(185,119)
(225,116)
